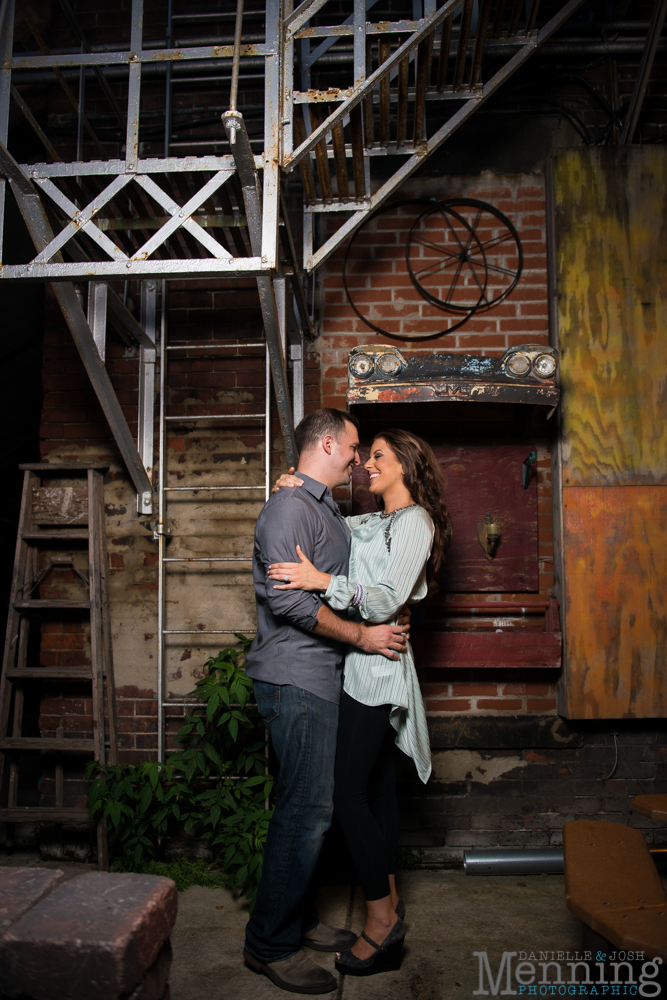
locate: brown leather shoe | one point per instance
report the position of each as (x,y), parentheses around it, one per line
(296,974)
(323,938)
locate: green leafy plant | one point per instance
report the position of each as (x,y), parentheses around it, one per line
(217,788)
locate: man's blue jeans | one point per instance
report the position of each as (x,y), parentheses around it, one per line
(303,732)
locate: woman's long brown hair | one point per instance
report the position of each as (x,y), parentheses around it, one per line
(423,478)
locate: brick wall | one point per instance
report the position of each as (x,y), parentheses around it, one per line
(381,288)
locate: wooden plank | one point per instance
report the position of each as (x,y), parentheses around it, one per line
(653,806)
(607,865)
(610,211)
(633,929)
(51,674)
(60,505)
(44,743)
(43,814)
(62,535)
(63,466)
(51,605)
(615,606)
(480,651)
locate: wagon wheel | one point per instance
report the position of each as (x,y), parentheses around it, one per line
(464,256)
(418,204)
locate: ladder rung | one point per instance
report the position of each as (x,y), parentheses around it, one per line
(205,347)
(220,416)
(45,743)
(208,559)
(51,674)
(51,605)
(207,631)
(43,814)
(56,536)
(180,489)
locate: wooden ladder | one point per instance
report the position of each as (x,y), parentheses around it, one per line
(56,523)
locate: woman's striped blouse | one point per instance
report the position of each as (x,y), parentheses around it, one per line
(387,570)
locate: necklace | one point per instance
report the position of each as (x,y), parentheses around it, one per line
(390,516)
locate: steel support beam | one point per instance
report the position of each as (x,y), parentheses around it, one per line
(644,74)
(6,43)
(443,133)
(38,225)
(245,166)
(147,387)
(97,314)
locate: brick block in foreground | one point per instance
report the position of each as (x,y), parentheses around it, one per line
(21,888)
(95,937)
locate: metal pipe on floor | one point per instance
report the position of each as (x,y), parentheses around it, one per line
(509,861)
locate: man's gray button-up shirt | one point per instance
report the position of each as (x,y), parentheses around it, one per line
(285,650)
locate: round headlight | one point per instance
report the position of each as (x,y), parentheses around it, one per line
(519,364)
(545,365)
(389,364)
(361,365)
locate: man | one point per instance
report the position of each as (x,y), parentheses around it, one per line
(296,664)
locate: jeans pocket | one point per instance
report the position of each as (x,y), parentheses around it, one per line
(267,697)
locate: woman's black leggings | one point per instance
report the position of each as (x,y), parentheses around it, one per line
(365,793)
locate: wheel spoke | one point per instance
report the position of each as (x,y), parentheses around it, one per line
(482,290)
(451,287)
(497,239)
(473,228)
(501,270)
(456,235)
(432,267)
(435,246)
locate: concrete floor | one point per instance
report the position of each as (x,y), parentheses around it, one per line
(449,916)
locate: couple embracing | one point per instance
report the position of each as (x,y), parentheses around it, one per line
(335,684)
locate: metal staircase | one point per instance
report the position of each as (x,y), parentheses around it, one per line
(407,85)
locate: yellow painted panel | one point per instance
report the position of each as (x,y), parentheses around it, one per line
(615,548)
(611,230)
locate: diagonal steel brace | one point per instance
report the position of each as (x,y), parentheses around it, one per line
(245,166)
(35,218)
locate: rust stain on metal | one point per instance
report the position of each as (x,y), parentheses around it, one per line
(422,392)
(615,539)
(611,234)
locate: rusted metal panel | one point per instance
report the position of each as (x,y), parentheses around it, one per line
(480,478)
(611,230)
(435,377)
(609,220)
(506,651)
(438,391)
(615,540)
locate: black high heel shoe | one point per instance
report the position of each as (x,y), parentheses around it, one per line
(387,957)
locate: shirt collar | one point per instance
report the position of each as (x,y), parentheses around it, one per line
(314,487)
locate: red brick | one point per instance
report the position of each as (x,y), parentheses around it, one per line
(474,689)
(448,705)
(500,704)
(541,704)
(100,928)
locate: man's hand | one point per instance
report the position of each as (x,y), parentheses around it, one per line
(389,640)
(404,616)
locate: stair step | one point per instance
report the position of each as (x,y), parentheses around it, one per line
(51,605)
(51,674)
(43,814)
(65,535)
(45,743)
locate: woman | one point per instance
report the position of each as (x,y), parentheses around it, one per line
(395,552)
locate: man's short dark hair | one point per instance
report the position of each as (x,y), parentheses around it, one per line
(316,425)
